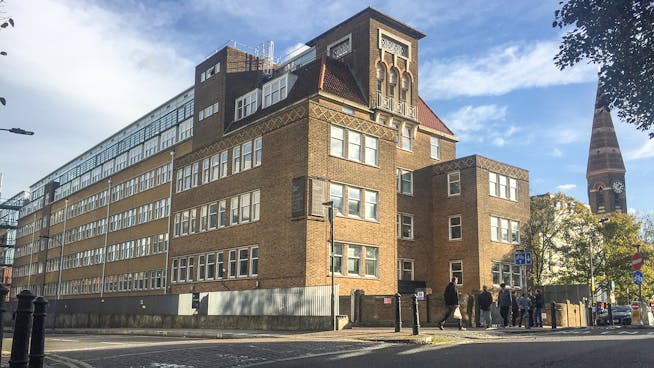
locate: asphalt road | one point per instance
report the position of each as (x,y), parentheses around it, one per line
(576,348)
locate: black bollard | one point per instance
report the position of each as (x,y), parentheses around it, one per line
(610,315)
(37,345)
(22,329)
(553,315)
(3,295)
(590,316)
(416,318)
(398,313)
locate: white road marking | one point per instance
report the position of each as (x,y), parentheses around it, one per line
(69,362)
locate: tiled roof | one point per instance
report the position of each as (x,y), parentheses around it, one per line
(429,119)
(321,74)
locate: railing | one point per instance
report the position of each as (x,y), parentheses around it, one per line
(402,107)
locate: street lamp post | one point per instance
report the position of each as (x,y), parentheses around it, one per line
(330,214)
(18,131)
(640,286)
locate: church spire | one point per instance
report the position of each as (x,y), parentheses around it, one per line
(605,171)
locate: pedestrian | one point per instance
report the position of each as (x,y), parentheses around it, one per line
(532,308)
(504,302)
(451,295)
(540,304)
(525,304)
(514,308)
(485,300)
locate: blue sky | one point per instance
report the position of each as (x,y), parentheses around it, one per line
(78,71)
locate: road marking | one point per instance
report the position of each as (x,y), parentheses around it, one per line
(65,340)
(628,333)
(68,362)
(605,332)
(309,356)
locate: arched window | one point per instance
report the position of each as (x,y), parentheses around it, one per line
(392,83)
(381,75)
(405,89)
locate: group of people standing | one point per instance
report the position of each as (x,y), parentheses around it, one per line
(525,308)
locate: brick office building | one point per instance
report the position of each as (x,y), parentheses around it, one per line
(222,187)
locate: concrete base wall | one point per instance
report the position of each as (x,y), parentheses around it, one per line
(280,323)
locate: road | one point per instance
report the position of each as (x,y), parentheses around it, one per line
(576,348)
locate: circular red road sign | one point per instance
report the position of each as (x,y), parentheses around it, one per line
(636,261)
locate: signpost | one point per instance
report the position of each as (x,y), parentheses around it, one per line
(638,278)
(522,258)
(636,261)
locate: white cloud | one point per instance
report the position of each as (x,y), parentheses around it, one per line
(470,119)
(566,187)
(644,151)
(556,153)
(500,71)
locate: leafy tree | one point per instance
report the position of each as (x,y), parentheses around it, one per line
(4,23)
(618,35)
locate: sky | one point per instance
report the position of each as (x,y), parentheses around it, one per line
(78,71)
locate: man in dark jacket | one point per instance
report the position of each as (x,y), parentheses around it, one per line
(538,313)
(485,300)
(504,302)
(451,295)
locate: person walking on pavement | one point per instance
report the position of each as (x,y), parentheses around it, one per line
(525,304)
(485,300)
(451,295)
(504,302)
(540,304)
(514,308)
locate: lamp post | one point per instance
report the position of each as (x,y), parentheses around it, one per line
(18,131)
(330,214)
(640,286)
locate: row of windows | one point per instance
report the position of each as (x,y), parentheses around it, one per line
(225,264)
(505,230)
(244,157)
(507,273)
(140,215)
(210,72)
(208,111)
(273,91)
(353,145)
(240,209)
(361,260)
(132,281)
(354,202)
(503,186)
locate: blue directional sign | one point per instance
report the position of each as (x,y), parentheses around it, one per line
(638,277)
(522,258)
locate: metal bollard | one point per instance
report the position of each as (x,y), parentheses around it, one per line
(416,317)
(3,295)
(553,315)
(591,321)
(23,326)
(610,315)
(37,345)
(398,313)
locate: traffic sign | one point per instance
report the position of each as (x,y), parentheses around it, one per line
(635,305)
(636,261)
(522,258)
(638,277)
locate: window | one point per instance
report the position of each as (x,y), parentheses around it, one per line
(354,202)
(497,274)
(245,207)
(504,230)
(168,138)
(455,227)
(337,142)
(203,218)
(182,270)
(405,226)
(203,114)
(371,205)
(175,227)
(243,260)
(224,159)
(503,187)
(456,270)
(233,207)
(405,138)
(336,196)
(275,91)
(213,216)
(180,180)
(222,213)
(202,267)
(186,129)
(205,171)
(492,184)
(256,199)
(495,228)
(454,183)
(236,160)
(405,269)
(174,269)
(404,181)
(506,272)
(258,144)
(254,261)
(508,231)
(185,222)
(515,232)
(371,150)
(353,259)
(434,148)
(215,167)
(337,259)
(354,146)
(220,266)
(341,47)
(246,105)
(513,189)
(193,214)
(246,158)
(371,261)
(231,271)
(194,174)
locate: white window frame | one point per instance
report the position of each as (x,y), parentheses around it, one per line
(400,180)
(434,147)
(337,142)
(453,178)
(401,223)
(450,227)
(249,105)
(401,270)
(455,272)
(274,91)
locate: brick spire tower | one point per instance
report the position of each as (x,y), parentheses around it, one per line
(605,172)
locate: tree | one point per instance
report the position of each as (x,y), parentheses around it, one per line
(554,223)
(618,35)
(4,23)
